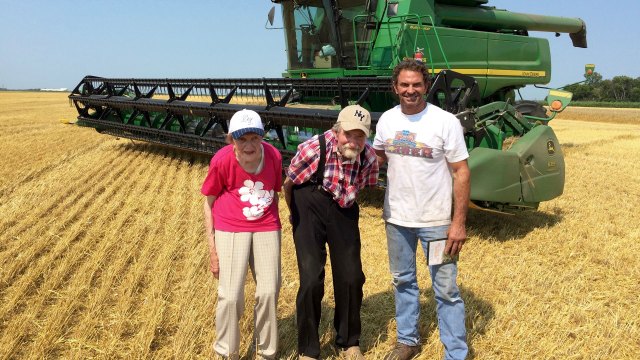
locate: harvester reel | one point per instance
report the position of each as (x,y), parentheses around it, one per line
(87,89)
(214,96)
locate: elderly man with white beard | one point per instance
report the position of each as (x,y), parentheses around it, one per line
(322,183)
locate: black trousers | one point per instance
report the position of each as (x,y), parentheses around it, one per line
(319,220)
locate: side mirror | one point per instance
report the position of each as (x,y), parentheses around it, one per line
(392,9)
(271,15)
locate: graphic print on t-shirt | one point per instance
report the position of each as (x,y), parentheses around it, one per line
(258,198)
(404,143)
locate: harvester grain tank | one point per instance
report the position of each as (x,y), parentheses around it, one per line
(341,52)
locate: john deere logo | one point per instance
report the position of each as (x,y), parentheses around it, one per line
(551,147)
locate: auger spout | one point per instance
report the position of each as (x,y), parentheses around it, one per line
(492,19)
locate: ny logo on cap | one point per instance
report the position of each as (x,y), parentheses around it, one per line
(359,114)
(247,119)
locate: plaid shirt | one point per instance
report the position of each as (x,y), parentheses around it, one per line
(341,177)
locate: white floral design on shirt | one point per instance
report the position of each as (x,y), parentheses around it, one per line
(259,199)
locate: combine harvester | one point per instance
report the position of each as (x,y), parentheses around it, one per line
(341,52)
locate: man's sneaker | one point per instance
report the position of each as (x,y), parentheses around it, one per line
(403,352)
(352,353)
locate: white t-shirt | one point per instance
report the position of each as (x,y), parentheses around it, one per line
(419,148)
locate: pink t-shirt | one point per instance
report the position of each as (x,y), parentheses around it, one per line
(244,202)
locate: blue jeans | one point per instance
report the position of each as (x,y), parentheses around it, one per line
(401,244)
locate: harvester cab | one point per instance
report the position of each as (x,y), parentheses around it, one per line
(343,52)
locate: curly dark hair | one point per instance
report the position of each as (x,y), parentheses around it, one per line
(411,65)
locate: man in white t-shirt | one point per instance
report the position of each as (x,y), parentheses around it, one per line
(427,169)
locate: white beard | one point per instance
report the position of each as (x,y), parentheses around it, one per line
(349,152)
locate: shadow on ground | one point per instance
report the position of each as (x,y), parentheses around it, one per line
(378,322)
(376,314)
(501,227)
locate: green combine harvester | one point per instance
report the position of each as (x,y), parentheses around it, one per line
(343,52)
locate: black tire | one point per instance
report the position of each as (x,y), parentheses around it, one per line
(531,108)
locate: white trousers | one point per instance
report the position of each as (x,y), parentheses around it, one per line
(237,251)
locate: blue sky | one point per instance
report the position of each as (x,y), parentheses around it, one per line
(53,44)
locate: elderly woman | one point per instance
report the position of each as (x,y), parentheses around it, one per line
(243,227)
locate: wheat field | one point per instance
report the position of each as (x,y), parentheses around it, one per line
(103,254)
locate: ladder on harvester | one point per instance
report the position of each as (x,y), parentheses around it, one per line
(365,39)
